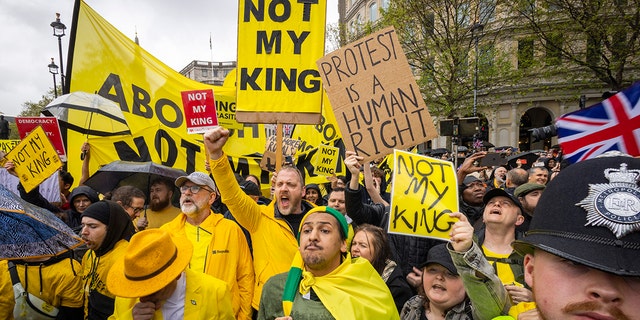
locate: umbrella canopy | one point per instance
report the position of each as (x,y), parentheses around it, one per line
(29,231)
(528,157)
(439,151)
(88,113)
(128,173)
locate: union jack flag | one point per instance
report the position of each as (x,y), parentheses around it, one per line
(613,124)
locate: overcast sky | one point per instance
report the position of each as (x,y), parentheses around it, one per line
(175,32)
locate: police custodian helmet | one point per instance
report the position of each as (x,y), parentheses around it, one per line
(590,214)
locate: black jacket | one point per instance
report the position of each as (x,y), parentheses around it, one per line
(407,251)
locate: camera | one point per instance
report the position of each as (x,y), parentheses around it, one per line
(544,133)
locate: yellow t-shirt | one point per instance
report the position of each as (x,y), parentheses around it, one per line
(502,269)
(157,218)
(200,238)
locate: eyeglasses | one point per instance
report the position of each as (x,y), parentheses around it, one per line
(194,188)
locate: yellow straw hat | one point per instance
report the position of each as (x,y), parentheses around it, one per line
(153,259)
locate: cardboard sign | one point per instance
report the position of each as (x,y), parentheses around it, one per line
(199,110)
(289,149)
(289,146)
(326,160)
(375,97)
(424,192)
(50,125)
(277,76)
(35,159)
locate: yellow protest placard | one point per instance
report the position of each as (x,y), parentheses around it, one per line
(424,192)
(277,76)
(326,160)
(7,145)
(35,159)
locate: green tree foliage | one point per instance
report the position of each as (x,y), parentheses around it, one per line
(597,38)
(33,109)
(439,39)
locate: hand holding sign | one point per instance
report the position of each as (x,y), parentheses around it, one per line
(424,192)
(461,233)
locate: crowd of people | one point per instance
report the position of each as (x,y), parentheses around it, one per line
(529,242)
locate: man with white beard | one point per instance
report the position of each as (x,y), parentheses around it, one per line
(219,246)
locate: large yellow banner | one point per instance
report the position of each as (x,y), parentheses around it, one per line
(148,92)
(424,192)
(278,45)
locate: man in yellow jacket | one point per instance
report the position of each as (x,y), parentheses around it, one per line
(152,281)
(274,227)
(220,247)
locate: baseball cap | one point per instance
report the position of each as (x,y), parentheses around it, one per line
(440,255)
(199,178)
(524,189)
(470,179)
(501,193)
(589,215)
(250,188)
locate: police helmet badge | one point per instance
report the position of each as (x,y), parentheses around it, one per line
(615,205)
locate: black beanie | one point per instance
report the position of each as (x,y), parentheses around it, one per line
(99,211)
(119,224)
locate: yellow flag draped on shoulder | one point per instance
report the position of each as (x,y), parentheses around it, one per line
(354,290)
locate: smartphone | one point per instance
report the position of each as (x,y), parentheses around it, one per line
(493,159)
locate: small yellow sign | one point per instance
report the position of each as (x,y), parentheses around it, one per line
(326,160)
(424,192)
(35,159)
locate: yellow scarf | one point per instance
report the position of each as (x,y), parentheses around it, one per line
(354,290)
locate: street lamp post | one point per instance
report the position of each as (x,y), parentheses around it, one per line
(53,69)
(476,32)
(58,31)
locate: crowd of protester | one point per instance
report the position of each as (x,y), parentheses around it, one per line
(530,241)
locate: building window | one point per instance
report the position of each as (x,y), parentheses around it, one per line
(461,65)
(554,50)
(462,14)
(373,11)
(429,24)
(205,72)
(525,53)
(385,4)
(486,55)
(487,10)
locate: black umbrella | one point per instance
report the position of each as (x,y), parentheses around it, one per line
(128,173)
(527,159)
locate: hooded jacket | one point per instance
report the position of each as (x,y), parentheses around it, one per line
(73,219)
(96,264)
(228,258)
(273,238)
